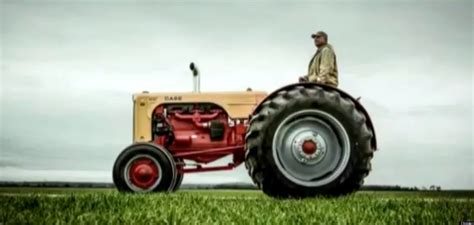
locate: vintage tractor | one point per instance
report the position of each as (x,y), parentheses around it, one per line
(302,140)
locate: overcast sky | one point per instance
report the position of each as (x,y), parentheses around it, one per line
(69,68)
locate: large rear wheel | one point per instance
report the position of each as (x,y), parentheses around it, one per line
(308,141)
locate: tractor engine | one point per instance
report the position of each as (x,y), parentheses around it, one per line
(201,132)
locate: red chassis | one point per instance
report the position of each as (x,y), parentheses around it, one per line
(200,134)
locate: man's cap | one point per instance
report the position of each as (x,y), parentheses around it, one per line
(318,34)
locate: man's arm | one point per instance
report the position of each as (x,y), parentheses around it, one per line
(306,77)
(327,64)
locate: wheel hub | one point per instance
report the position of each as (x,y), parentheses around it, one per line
(143,173)
(309,147)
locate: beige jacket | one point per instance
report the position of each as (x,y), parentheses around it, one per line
(323,67)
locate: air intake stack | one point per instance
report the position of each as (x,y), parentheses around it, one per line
(196,78)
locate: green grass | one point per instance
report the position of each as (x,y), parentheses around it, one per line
(52,190)
(106,206)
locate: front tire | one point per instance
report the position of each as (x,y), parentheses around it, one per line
(180,176)
(144,167)
(308,141)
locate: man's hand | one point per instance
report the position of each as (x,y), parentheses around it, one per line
(303,79)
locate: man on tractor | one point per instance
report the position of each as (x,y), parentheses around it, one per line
(301,140)
(322,68)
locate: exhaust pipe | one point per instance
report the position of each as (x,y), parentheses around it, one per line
(196,78)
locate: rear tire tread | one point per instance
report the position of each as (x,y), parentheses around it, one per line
(262,169)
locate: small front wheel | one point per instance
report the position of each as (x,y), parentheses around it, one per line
(144,167)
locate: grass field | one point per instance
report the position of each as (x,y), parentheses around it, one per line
(106,206)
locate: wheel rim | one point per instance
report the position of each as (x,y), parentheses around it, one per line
(311,148)
(142,173)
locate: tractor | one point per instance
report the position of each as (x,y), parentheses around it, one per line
(302,140)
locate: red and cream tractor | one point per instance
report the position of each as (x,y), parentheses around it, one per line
(302,140)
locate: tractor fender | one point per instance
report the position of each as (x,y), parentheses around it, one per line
(325,87)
